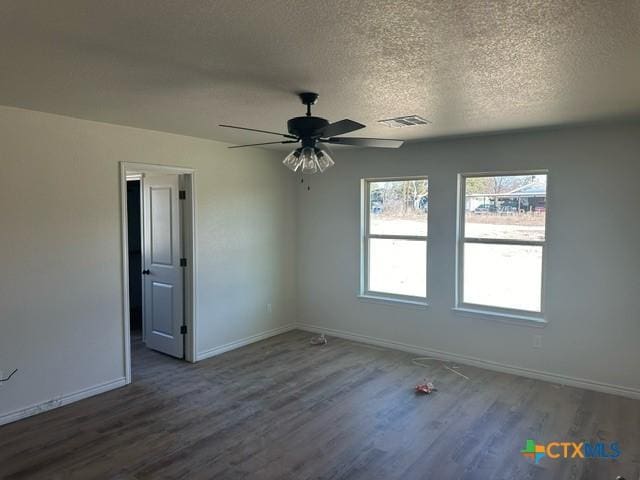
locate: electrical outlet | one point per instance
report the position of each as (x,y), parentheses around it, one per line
(269,308)
(537,341)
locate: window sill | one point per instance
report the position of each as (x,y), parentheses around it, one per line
(392,301)
(512,318)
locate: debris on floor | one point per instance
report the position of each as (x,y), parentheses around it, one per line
(425,388)
(319,340)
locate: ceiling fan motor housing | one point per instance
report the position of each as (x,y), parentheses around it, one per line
(306,127)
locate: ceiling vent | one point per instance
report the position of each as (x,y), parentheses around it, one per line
(406,121)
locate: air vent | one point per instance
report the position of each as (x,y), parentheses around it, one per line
(406,121)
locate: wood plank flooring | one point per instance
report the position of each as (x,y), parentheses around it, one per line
(282,409)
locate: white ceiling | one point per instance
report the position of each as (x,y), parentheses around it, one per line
(185,66)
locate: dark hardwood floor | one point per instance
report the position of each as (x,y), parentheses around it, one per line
(282,409)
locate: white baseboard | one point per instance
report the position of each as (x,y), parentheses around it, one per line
(60,401)
(212,352)
(477,362)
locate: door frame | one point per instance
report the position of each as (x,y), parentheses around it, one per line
(136,171)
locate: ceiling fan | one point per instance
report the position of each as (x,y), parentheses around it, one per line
(312,131)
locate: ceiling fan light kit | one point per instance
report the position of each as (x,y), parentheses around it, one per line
(312,160)
(311,131)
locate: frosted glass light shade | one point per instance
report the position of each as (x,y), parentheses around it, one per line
(309,160)
(324,160)
(293,160)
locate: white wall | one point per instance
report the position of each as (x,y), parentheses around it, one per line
(593,253)
(60,242)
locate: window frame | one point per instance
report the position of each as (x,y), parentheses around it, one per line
(366,235)
(490,310)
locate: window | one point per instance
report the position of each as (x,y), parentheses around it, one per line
(502,241)
(395,238)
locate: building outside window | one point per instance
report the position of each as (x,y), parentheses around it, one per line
(502,239)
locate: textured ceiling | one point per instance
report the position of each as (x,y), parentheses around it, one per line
(185,66)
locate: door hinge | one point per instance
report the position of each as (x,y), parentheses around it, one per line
(183,329)
(182,194)
(183,262)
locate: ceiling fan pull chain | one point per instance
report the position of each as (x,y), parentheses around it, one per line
(302,181)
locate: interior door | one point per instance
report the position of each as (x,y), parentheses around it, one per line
(162,274)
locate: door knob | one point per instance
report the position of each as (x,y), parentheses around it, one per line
(146,272)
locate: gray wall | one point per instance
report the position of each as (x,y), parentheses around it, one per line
(60,237)
(593,258)
(61,283)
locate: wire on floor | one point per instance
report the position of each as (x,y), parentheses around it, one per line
(418,361)
(10,375)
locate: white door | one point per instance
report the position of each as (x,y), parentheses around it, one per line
(162,271)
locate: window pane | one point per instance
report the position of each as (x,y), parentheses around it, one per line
(507,276)
(506,207)
(398,207)
(398,266)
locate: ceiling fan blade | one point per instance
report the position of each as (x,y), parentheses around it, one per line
(365,142)
(256,130)
(265,143)
(339,128)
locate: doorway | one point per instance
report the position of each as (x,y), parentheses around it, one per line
(158,260)
(134,232)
